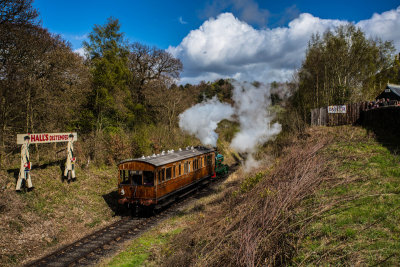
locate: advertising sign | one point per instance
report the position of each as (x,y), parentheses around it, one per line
(42,138)
(337,109)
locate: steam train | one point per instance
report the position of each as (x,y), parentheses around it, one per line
(150,182)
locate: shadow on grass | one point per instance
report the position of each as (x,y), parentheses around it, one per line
(112,201)
(387,138)
(61,163)
(385,124)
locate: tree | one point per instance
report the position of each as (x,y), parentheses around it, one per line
(108,55)
(148,65)
(41,79)
(42,83)
(338,68)
(17,12)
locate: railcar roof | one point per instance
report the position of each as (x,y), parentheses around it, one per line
(167,158)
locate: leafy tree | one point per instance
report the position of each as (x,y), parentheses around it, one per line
(108,55)
(220,88)
(338,68)
(390,74)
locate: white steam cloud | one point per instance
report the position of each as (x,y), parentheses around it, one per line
(202,120)
(250,110)
(251,106)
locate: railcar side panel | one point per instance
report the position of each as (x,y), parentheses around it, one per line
(147,181)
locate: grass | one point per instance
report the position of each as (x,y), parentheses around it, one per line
(54,212)
(140,250)
(331,199)
(147,249)
(360,225)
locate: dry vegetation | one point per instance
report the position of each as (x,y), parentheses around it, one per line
(332,198)
(55,213)
(251,223)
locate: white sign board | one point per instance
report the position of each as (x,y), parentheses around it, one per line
(42,138)
(337,109)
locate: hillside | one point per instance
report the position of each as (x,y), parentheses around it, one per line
(55,213)
(332,198)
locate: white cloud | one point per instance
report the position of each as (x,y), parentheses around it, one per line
(227,47)
(181,21)
(81,52)
(385,26)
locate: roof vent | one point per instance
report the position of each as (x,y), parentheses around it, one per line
(143,157)
(180,149)
(148,157)
(172,151)
(191,148)
(163,152)
(154,155)
(187,148)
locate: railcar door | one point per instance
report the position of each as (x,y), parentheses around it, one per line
(210,167)
(125,184)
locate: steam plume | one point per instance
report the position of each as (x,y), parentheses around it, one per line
(251,108)
(251,111)
(202,120)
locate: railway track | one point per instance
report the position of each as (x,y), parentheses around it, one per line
(88,250)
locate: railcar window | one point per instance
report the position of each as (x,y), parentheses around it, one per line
(179,169)
(173,172)
(148,178)
(209,160)
(189,166)
(136,177)
(124,177)
(168,173)
(162,175)
(185,168)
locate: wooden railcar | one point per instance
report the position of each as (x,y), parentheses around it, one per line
(149,181)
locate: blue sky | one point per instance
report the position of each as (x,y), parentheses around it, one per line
(174,25)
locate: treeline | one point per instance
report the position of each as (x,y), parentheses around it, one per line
(343,66)
(121,97)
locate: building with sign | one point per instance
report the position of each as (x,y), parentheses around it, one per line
(392,91)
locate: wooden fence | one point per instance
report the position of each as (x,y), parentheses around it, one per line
(320,116)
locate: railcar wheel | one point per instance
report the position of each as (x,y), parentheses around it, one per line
(134,211)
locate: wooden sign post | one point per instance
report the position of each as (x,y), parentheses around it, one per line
(26,139)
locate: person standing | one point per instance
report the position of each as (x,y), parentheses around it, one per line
(24,171)
(69,172)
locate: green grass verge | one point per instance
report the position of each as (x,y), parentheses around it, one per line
(145,250)
(360,222)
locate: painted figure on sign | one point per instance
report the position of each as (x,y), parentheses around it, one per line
(24,172)
(70,164)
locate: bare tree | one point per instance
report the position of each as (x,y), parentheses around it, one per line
(17,12)
(41,83)
(148,64)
